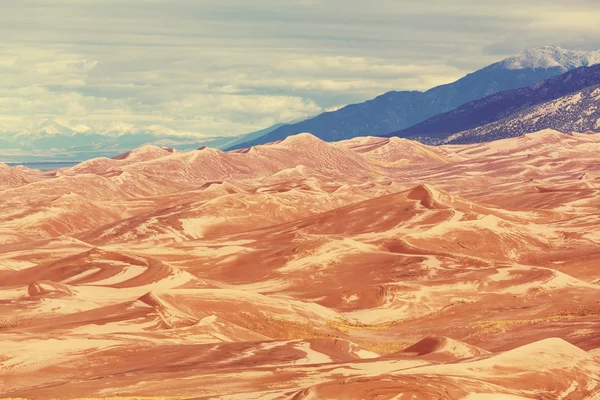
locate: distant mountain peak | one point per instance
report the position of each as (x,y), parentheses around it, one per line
(567,102)
(41,127)
(398,110)
(550,57)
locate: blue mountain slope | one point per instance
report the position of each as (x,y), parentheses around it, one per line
(500,105)
(574,112)
(394,111)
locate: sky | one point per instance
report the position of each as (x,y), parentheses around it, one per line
(227,67)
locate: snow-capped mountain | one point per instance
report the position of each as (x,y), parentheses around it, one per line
(394,111)
(124,128)
(45,139)
(36,127)
(500,105)
(81,139)
(551,57)
(575,112)
(40,127)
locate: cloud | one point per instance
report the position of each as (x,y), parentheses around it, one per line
(229,67)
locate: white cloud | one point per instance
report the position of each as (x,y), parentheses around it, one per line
(228,67)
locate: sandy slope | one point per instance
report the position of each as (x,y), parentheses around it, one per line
(369,268)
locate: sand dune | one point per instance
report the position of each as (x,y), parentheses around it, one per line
(369,268)
(17,176)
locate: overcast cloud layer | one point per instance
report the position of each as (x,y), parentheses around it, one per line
(225,67)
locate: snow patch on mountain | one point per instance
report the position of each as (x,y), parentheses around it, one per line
(550,57)
(39,127)
(575,112)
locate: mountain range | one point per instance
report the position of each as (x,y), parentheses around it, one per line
(501,105)
(575,112)
(444,114)
(396,110)
(48,140)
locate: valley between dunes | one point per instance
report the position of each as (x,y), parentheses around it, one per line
(370,268)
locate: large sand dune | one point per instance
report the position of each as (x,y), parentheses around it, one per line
(366,269)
